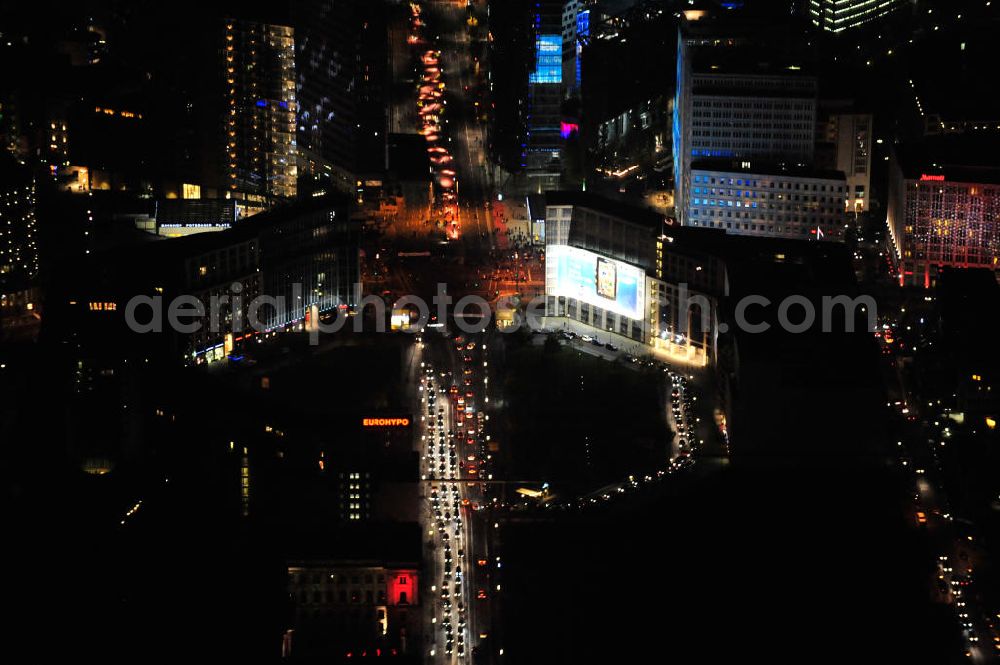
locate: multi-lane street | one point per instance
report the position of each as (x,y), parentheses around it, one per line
(451,376)
(450,368)
(450,76)
(447,604)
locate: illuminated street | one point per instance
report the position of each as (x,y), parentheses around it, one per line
(489,332)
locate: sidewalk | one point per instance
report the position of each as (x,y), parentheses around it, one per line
(511,220)
(499,211)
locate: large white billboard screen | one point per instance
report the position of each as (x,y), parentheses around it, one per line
(612,285)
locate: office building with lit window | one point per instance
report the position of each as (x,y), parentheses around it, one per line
(355,593)
(729,105)
(259,119)
(18,232)
(598,256)
(756,198)
(342,75)
(20,294)
(575,31)
(839,15)
(844,143)
(543,152)
(944,208)
(508,53)
(304,257)
(376,475)
(611,273)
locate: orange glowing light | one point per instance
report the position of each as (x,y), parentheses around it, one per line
(385,422)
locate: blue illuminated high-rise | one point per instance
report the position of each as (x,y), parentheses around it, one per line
(729,106)
(575,31)
(543,159)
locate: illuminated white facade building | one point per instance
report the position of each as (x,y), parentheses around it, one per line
(727,105)
(747,198)
(604,265)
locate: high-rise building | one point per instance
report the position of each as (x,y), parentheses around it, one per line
(18,235)
(575,30)
(509,67)
(751,198)
(543,157)
(259,120)
(727,105)
(626,100)
(944,209)
(341,68)
(839,15)
(845,144)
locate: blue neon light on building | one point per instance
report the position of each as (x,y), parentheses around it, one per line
(548,60)
(707,152)
(583,24)
(582,32)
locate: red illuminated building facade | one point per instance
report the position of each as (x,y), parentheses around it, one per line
(353,601)
(942,215)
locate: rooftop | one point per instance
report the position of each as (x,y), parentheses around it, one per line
(386,544)
(251,227)
(408,159)
(624,211)
(957,157)
(750,258)
(748,61)
(762,167)
(970,310)
(735,42)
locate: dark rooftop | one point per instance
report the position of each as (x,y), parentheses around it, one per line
(766,168)
(800,394)
(624,211)
(13,174)
(740,42)
(397,543)
(408,158)
(249,227)
(750,62)
(736,249)
(970,310)
(536,206)
(958,157)
(736,26)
